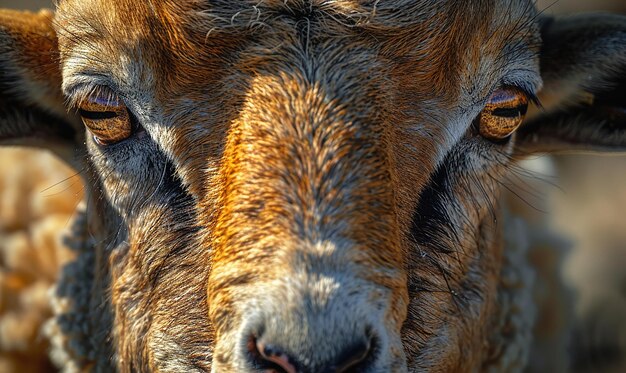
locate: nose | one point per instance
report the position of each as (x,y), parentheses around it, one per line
(269,357)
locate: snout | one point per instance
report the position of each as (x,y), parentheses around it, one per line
(302,324)
(308,262)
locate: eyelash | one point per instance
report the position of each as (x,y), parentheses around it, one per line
(532,97)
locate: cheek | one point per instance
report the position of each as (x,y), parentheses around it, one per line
(131,174)
(483,172)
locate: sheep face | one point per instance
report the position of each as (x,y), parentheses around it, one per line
(307,186)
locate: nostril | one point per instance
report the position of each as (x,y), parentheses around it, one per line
(274,355)
(270,358)
(353,357)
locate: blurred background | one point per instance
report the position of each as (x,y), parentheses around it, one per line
(575,204)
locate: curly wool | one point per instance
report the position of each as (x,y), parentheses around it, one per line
(517,311)
(73,346)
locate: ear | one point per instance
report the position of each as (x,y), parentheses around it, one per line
(32,108)
(583,66)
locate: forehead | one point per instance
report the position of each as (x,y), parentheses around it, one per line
(206,21)
(398,9)
(170,41)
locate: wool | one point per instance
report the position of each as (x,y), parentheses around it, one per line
(69,330)
(517,310)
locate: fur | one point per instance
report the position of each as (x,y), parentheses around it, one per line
(306,175)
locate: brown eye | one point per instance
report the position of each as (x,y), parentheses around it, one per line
(503,114)
(105,115)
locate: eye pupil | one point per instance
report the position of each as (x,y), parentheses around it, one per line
(511,112)
(97,115)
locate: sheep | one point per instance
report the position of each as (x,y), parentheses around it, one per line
(321,198)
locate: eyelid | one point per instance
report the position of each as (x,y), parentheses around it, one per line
(99,94)
(530,95)
(525,81)
(80,86)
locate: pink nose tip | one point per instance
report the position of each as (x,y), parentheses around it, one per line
(273,355)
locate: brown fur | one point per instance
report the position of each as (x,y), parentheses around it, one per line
(309,175)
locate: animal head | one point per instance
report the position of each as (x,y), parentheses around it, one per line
(305,186)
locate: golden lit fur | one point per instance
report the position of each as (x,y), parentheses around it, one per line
(307,175)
